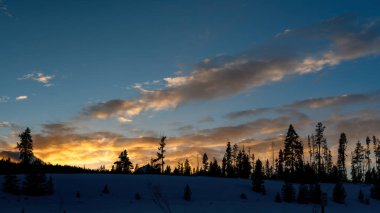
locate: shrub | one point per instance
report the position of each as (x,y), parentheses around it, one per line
(288,192)
(137,196)
(278,199)
(243,196)
(105,190)
(187,193)
(339,194)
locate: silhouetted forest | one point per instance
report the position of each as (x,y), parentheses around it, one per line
(292,165)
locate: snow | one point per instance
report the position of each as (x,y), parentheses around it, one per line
(208,195)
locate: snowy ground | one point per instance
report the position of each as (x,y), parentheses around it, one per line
(164,194)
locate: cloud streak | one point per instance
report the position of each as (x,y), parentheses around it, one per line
(39,77)
(21,98)
(338,40)
(313,103)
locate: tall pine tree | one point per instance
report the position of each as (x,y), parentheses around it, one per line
(341,163)
(26,146)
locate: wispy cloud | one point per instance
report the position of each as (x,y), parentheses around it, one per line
(21,98)
(332,102)
(4,9)
(339,39)
(39,77)
(124,119)
(6,124)
(4,99)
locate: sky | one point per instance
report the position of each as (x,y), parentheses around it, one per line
(92,78)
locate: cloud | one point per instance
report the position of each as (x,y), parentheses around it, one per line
(6,124)
(4,99)
(313,103)
(39,77)
(21,98)
(124,119)
(319,46)
(246,113)
(4,9)
(206,119)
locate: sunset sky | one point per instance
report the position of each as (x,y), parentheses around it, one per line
(91,78)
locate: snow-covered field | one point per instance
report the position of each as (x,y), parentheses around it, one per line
(164,194)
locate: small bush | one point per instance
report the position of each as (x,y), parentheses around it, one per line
(375,191)
(303,194)
(105,190)
(243,196)
(339,194)
(288,193)
(278,199)
(187,193)
(11,184)
(361,196)
(137,196)
(315,193)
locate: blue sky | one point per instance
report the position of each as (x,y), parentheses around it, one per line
(68,61)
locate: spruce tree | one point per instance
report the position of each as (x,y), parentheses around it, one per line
(361,197)
(258,178)
(321,145)
(357,160)
(187,168)
(278,199)
(368,154)
(375,191)
(315,193)
(11,184)
(288,193)
(105,190)
(293,151)
(161,155)
(303,194)
(205,163)
(339,194)
(187,193)
(34,184)
(214,170)
(341,163)
(280,165)
(26,146)
(50,186)
(229,168)
(124,165)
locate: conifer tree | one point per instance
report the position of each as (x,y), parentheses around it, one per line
(11,184)
(258,178)
(293,151)
(124,165)
(341,163)
(303,194)
(26,146)
(288,193)
(229,168)
(315,193)
(214,170)
(280,165)
(50,186)
(339,194)
(34,184)
(205,163)
(368,154)
(161,155)
(357,159)
(278,199)
(187,193)
(321,144)
(187,168)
